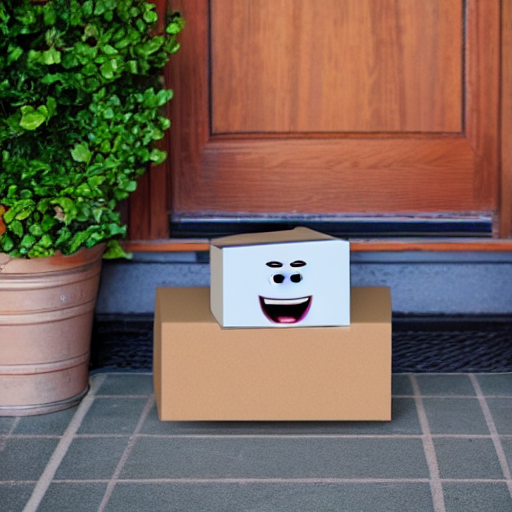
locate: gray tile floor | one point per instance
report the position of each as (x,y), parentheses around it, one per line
(447,449)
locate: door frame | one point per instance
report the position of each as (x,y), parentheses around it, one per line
(148,209)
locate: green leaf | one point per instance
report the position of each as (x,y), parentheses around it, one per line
(51,105)
(87,7)
(108,114)
(27,241)
(78,240)
(97,214)
(150,17)
(133,67)
(131,186)
(51,56)
(46,241)
(90,31)
(64,236)
(25,213)
(107,70)
(116,229)
(17,228)
(164,123)
(32,119)
(81,153)
(42,206)
(36,229)
(86,51)
(48,223)
(76,14)
(114,250)
(120,195)
(33,56)
(89,69)
(141,26)
(157,156)
(105,146)
(152,45)
(51,78)
(14,53)
(50,16)
(18,211)
(7,243)
(98,96)
(43,248)
(11,191)
(84,211)
(163,96)
(114,100)
(122,43)
(109,50)
(69,61)
(100,7)
(175,26)
(83,190)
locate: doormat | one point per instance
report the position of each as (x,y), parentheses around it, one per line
(420,344)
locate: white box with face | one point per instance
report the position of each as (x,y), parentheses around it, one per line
(294,278)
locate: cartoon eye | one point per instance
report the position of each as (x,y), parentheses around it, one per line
(295,278)
(274,264)
(298,263)
(277,278)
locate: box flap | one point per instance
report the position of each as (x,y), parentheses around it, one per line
(299,234)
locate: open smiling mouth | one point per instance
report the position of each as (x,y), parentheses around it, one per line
(285,311)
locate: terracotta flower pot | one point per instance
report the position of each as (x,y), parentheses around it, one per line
(46,314)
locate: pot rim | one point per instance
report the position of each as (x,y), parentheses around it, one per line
(57,262)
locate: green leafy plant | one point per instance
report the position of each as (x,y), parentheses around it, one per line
(80,103)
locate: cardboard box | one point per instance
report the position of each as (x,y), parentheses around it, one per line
(293,278)
(205,372)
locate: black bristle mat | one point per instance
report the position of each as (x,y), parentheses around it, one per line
(434,344)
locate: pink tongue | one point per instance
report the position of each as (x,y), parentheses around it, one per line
(286,319)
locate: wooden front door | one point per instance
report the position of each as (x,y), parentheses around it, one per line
(335,107)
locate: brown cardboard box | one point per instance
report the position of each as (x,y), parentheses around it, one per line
(205,372)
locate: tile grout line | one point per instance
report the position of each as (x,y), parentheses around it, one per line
(436,486)
(187,480)
(494,432)
(5,439)
(284,436)
(62,447)
(124,457)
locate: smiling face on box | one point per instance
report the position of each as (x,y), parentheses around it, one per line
(289,284)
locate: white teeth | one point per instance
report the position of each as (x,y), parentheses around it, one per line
(285,302)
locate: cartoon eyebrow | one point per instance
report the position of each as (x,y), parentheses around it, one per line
(298,263)
(274,264)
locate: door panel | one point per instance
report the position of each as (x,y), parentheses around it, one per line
(336,106)
(336,66)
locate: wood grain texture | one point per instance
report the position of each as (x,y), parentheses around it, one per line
(139,211)
(435,244)
(158,180)
(148,205)
(482,93)
(356,172)
(336,66)
(319,176)
(506,123)
(190,112)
